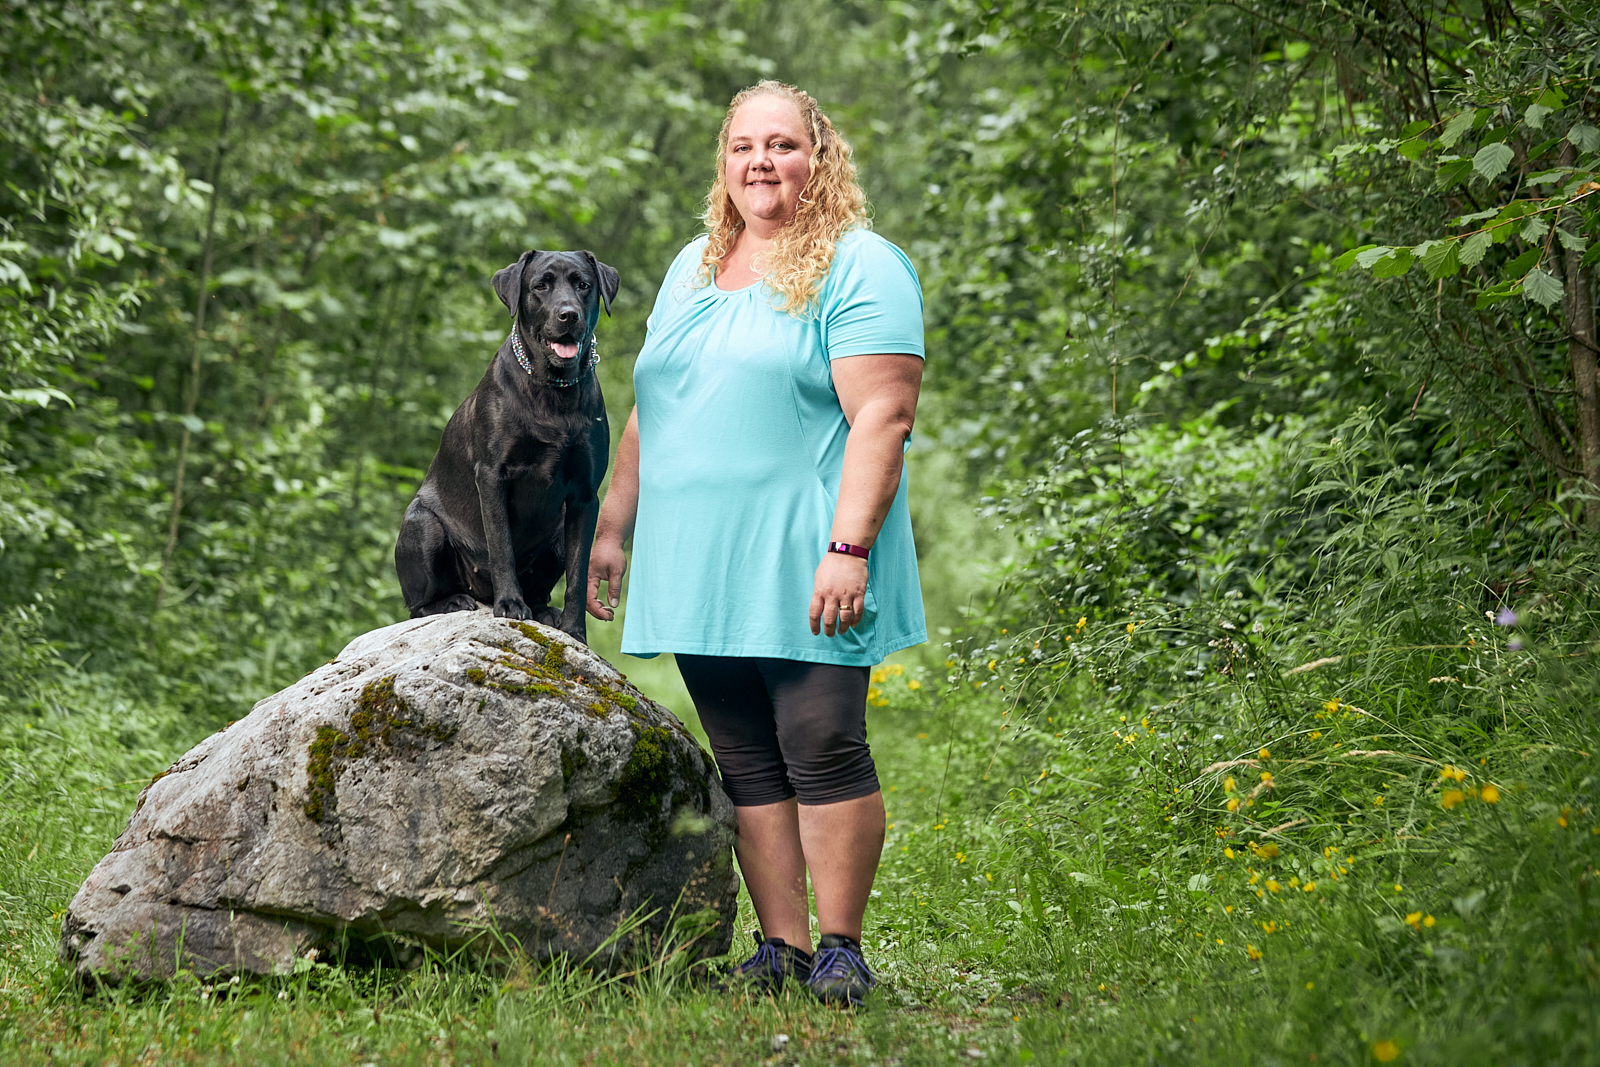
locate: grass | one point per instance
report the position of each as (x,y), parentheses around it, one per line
(1390,857)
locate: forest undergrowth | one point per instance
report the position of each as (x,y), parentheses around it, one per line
(1259,823)
(1267,328)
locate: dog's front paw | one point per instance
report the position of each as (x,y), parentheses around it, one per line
(512,607)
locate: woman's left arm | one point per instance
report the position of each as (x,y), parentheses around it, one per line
(879,397)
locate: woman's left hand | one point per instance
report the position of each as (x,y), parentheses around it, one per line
(840,595)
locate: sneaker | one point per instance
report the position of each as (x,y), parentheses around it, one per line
(775,960)
(839,975)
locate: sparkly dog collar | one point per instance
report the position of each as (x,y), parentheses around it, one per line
(559,383)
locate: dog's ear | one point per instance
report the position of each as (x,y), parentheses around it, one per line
(507,282)
(609,280)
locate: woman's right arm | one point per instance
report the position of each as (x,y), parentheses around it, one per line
(606,561)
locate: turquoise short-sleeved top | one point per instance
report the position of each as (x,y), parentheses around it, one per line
(741,445)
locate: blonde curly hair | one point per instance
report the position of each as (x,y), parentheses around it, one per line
(830,204)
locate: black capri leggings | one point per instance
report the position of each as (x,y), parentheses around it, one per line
(782,728)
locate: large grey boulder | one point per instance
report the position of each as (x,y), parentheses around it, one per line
(459,779)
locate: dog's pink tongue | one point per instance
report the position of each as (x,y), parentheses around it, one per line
(564,351)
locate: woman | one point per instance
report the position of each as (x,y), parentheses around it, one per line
(761,466)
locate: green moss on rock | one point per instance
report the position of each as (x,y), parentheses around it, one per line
(545,674)
(622,700)
(145,791)
(647,775)
(573,760)
(532,633)
(380,719)
(530,689)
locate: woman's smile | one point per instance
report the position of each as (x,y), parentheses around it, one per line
(768,162)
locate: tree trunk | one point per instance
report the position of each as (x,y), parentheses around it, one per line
(1578,311)
(192,397)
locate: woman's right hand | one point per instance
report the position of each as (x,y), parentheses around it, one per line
(615,525)
(606,564)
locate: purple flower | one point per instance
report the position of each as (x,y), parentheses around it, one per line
(1514,646)
(1507,617)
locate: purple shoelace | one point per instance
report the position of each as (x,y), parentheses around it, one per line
(768,959)
(841,961)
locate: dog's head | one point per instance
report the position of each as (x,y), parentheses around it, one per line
(555,299)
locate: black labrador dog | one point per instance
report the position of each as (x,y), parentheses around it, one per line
(510,501)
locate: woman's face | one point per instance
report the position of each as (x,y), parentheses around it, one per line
(769,161)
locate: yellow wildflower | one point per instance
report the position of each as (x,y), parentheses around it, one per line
(1385,1051)
(1331,706)
(1263,754)
(1130,627)
(1489,795)
(1448,772)
(1228,852)
(1428,921)
(1273,886)
(1233,803)
(1377,801)
(1294,883)
(1229,785)
(1219,940)
(1082,622)
(1414,919)
(1266,776)
(1309,887)
(1316,734)
(1311,985)
(1561,820)
(1228,908)
(1253,952)
(1452,797)
(1269,928)
(1268,851)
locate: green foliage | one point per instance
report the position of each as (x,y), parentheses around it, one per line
(1234,805)
(246,256)
(1252,333)
(1146,210)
